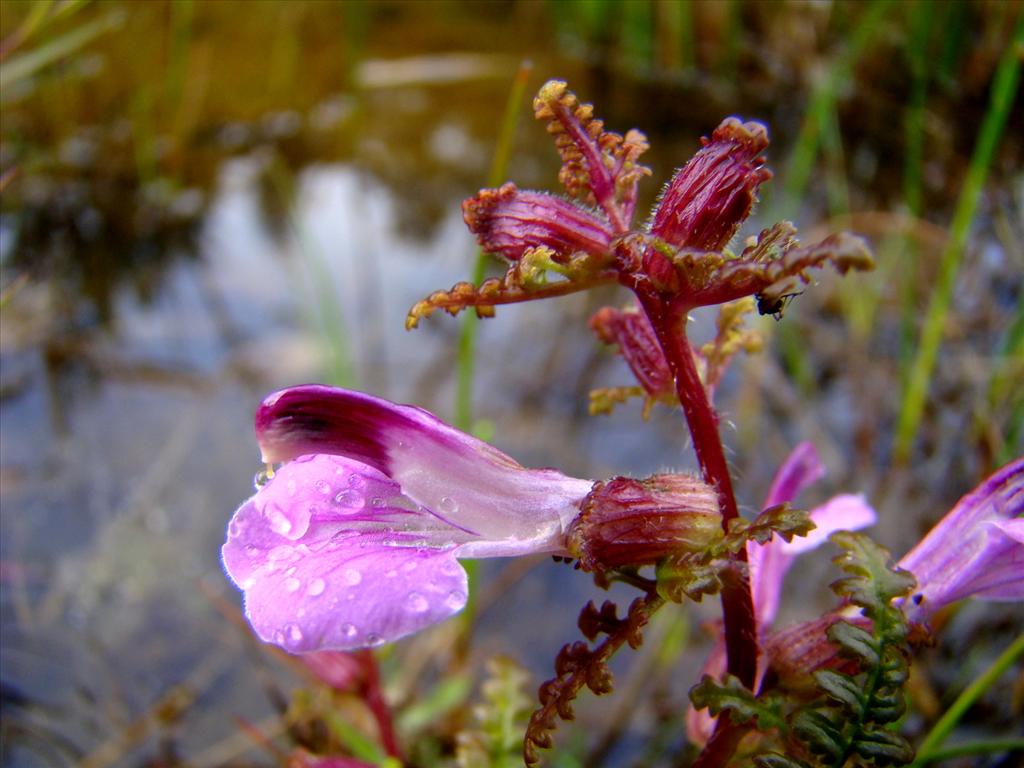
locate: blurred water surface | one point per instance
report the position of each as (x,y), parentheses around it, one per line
(205,202)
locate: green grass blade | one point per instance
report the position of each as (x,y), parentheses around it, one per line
(499,170)
(27,64)
(964,701)
(1004,91)
(467,333)
(821,107)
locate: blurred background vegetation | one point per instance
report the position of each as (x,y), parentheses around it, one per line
(202,201)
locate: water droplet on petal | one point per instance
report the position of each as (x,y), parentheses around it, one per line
(373,640)
(350,499)
(451,568)
(316,587)
(352,576)
(252,550)
(292,584)
(262,477)
(294,633)
(416,602)
(349,631)
(279,522)
(234,528)
(455,599)
(356,481)
(324,487)
(447,505)
(378,501)
(279,637)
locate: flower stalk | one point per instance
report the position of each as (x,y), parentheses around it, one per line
(668,320)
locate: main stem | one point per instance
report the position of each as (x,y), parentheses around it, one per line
(669,322)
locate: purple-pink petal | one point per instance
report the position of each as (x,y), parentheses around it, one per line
(975,550)
(464,481)
(770,562)
(357,576)
(802,467)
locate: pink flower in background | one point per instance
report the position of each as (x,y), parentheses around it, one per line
(976,550)
(769,562)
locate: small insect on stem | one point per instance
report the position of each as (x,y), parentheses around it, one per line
(774,305)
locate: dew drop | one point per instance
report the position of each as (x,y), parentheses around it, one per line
(355,481)
(455,600)
(316,587)
(349,631)
(416,602)
(262,477)
(252,550)
(234,528)
(292,584)
(352,576)
(279,522)
(350,499)
(323,486)
(373,640)
(448,506)
(294,633)
(279,637)
(451,568)
(378,501)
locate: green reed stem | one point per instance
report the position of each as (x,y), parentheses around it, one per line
(466,356)
(499,171)
(821,107)
(992,747)
(913,175)
(1004,91)
(929,747)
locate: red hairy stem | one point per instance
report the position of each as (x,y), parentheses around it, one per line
(668,319)
(374,698)
(722,744)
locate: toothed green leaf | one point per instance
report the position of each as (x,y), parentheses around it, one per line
(775,760)
(854,641)
(873,583)
(842,688)
(819,733)
(743,707)
(781,520)
(883,748)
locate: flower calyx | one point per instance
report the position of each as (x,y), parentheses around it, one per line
(628,522)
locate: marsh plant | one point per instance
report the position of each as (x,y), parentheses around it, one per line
(356,533)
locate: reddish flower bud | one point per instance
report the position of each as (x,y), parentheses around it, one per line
(631,331)
(508,222)
(711,195)
(628,522)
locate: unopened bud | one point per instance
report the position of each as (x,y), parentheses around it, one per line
(627,522)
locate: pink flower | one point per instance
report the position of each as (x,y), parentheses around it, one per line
(769,562)
(354,541)
(976,550)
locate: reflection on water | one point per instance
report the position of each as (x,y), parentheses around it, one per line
(178,250)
